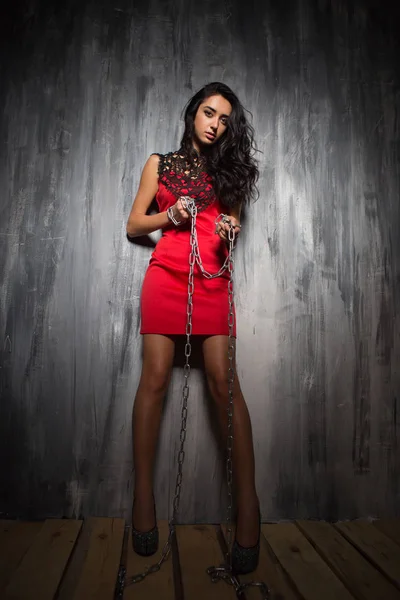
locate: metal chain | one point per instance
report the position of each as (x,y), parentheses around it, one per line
(223,572)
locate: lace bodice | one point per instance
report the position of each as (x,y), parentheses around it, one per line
(183,179)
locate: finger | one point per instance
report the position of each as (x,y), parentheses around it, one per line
(183,213)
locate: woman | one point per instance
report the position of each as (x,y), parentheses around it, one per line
(215,167)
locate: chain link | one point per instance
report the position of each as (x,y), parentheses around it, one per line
(223,572)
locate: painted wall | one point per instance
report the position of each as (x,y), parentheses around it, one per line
(89,91)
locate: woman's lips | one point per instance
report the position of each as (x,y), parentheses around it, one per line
(210,136)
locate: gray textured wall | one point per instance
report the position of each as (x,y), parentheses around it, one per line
(89,91)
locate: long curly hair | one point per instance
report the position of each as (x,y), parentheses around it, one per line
(230,161)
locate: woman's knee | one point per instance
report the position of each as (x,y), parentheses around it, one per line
(218,383)
(156,377)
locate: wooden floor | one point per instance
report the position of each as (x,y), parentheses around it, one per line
(65,559)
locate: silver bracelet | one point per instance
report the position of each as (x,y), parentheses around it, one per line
(172,218)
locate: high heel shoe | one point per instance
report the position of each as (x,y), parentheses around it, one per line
(145,543)
(245,559)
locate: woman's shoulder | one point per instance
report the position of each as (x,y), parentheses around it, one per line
(173,154)
(168,157)
(165,161)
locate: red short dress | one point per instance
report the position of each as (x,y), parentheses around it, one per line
(164,296)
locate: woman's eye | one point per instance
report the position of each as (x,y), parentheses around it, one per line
(224,121)
(208,113)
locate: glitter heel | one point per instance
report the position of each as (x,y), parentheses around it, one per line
(245,560)
(145,543)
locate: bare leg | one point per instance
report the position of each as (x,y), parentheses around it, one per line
(158,355)
(215,349)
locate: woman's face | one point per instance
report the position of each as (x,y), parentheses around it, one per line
(211,121)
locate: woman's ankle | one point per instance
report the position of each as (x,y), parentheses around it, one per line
(143,513)
(143,491)
(247,500)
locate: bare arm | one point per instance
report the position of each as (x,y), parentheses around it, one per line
(139,223)
(235,212)
(223,228)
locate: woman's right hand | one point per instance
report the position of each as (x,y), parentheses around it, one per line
(180,213)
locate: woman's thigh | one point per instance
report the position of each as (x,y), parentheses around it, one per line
(158,357)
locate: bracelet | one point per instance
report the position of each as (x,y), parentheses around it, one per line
(172,218)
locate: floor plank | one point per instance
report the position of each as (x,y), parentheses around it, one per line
(15,539)
(149,588)
(99,573)
(307,560)
(390,527)
(363,581)
(199,549)
(269,571)
(383,552)
(72,574)
(309,573)
(40,571)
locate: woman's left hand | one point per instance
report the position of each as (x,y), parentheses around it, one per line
(222,229)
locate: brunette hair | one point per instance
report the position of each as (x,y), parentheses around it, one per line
(230,161)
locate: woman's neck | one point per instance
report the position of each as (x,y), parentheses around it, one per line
(196,147)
